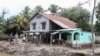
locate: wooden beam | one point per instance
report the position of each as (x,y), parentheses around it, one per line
(51,37)
(59,37)
(37,40)
(40,39)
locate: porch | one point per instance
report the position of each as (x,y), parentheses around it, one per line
(54,37)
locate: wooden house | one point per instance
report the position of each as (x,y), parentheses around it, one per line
(51,28)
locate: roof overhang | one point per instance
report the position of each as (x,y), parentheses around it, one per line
(61,30)
(35,31)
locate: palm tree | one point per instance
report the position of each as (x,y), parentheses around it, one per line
(22,21)
(2,22)
(25,16)
(53,8)
(2,25)
(18,23)
(26,12)
(38,9)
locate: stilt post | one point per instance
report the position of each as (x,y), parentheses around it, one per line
(59,37)
(51,40)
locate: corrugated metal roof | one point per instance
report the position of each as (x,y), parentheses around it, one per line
(61,21)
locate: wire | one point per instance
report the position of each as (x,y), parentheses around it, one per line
(88,1)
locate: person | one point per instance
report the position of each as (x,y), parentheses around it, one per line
(16,38)
(34,38)
(24,39)
(11,38)
(53,41)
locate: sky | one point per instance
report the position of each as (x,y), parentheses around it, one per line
(13,7)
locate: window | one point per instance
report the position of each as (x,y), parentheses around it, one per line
(38,16)
(76,36)
(43,25)
(34,26)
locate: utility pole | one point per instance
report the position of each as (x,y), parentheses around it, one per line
(92,27)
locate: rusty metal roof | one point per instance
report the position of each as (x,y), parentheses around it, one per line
(61,21)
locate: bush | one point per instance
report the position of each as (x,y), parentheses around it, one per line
(3,36)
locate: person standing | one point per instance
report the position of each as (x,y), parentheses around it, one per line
(11,38)
(16,38)
(24,39)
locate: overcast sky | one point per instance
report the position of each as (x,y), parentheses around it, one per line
(15,6)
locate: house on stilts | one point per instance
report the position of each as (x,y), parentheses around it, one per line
(54,29)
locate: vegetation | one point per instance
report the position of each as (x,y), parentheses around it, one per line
(97,25)
(79,15)
(2,25)
(18,23)
(2,22)
(38,9)
(53,8)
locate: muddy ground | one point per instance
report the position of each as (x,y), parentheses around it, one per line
(28,49)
